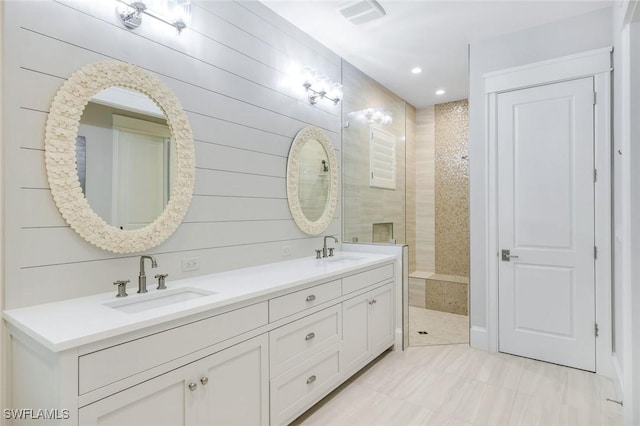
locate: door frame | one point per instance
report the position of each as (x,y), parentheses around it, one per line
(596,64)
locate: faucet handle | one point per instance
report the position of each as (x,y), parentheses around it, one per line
(161,278)
(122,288)
(319,254)
(331,251)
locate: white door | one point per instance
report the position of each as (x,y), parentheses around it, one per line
(142,171)
(546,220)
(142,179)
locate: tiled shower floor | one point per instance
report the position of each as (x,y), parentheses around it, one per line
(443,328)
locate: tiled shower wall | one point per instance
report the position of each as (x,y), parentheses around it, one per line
(452,189)
(411,197)
(425,190)
(365,205)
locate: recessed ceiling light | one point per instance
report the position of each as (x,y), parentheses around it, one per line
(439,92)
(416,70)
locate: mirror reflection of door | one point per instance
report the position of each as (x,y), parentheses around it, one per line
(124,141)
(141,171)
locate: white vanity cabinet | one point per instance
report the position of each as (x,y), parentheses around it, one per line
(313,355)
(367,327)
(226,388)
(259,359)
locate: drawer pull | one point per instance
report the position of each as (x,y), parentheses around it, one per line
(311,298)
(192,386)
(311,379)
(310,336)
(204,380)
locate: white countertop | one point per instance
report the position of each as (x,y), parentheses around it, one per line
(75,322)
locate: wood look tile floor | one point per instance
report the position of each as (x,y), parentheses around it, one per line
(444,328)
(458,385)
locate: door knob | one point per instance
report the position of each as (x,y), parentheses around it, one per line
(507,256)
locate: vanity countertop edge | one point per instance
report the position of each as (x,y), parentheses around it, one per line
(72,323)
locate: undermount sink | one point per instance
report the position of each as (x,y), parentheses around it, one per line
(344,258)
(158,299)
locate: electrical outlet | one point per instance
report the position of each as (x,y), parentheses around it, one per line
(190,264)
(286,251)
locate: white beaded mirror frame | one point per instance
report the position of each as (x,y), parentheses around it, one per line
(60,156)
(293,181)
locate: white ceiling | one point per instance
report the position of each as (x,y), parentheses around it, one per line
(433,35)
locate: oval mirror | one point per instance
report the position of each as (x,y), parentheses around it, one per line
(125,158)
(312,180)
(119,156)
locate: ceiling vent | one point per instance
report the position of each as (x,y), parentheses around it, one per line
(361,11)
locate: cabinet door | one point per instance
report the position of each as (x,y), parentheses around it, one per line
(355,332)
(381,320)
(235,384)
(164,400)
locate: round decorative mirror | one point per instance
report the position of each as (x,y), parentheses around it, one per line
(120,158)
(312,180)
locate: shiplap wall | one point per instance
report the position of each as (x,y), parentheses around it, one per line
(229,72)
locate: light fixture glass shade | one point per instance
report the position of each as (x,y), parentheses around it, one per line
(181,12)
(307,76)
(322,84)
(335,92)
(378,116)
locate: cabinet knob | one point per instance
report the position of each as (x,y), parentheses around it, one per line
(371,302)
(311,298)
(310,336)
(192,386)
(311,379)
(204,380)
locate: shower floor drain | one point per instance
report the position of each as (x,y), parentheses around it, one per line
(423,332)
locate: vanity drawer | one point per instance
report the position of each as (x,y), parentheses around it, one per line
(292,303)
(297,389)
(365,279)
(109,365)
(300,340)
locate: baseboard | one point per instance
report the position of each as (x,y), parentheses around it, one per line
(397,344)
(618,379)
(479,338)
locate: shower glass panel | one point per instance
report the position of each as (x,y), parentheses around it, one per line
(374,174)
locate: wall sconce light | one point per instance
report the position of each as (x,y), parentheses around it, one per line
(173,12)
(378,116)
(320,87)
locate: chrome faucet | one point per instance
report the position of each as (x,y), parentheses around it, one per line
(324,248)
(142,278)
